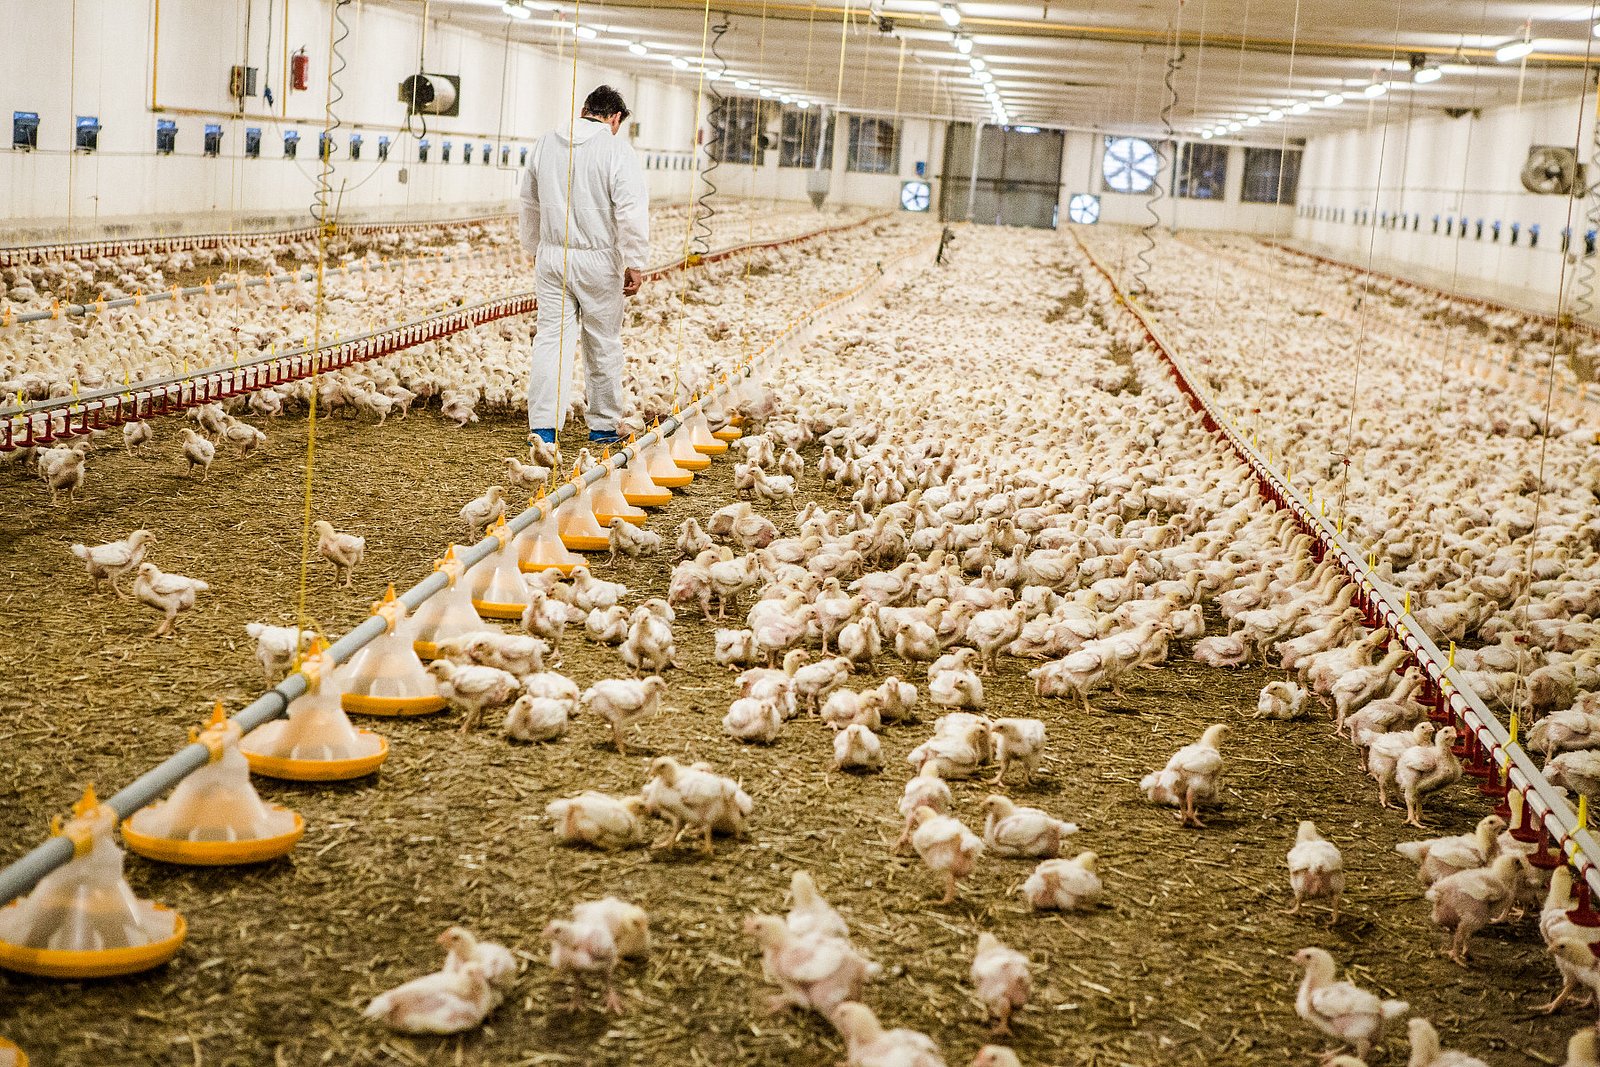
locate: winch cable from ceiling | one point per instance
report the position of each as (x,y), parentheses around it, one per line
(702,208)
(690,216)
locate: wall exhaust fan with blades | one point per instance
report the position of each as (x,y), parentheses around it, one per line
(1553,170)
(431,94)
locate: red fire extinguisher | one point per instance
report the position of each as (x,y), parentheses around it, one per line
(299,71)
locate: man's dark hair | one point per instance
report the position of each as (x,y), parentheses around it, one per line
(605,102)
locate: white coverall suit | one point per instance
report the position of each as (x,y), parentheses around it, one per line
(609,231)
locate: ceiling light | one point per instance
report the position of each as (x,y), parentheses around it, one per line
(1300,108)
(679,63)
(976,63)
(951,16)
(802,104)
(514,9)
(741,84)
(1333,100)
(1205,135)
(1424,75)
(588,33)
(766,94)
(1234,127)
(785,99)
(1510,53)
(1274,115)
(1375,90)
(1253,120)
(963,44)
(982,76)
(714,75)
(638,49)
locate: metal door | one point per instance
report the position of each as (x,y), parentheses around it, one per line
(1018,175)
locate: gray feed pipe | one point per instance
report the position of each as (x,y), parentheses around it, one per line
(1544,801)
(23,874)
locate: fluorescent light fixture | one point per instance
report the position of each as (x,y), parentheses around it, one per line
(1205,135)
(713,75)
(588,33)
(1510,53)
(1333,100)
(741,84)
(802,104)
(1375,90)
(766,94)
(514,9)
(786,99)
(963,44)
(1300,108)
(1596,29)
(982,76)
(976,62)
(951,16)
(1274,115)
(1234,127)
(679,63)
(638,49)
(1424,75)
(1253,120)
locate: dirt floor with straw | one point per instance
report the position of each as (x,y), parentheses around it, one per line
(1186,962)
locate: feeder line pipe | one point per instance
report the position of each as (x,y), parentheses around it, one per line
(1546,803)
(23,874)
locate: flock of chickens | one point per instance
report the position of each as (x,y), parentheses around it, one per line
(1094,531)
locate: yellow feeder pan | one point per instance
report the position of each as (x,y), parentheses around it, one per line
(315,742)
(387,677)
(663,468)
(82,920)
(580,531)
(498,591)
(684,453)
(639,489)
(611,503)
(215,817)
(448,613)
(700,436)
(717,415)
(18,1058)
(539,547)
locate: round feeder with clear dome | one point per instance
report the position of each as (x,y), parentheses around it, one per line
(580,530)
(641,490)
(539,547)
(611,503)
(83,920)
(214,817)
(498,589)
(663,468)
(448,613)
(387,677)
(315,741)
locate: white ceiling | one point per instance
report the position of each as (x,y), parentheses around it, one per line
(1101,65)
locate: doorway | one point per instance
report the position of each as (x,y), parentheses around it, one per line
(1018,175)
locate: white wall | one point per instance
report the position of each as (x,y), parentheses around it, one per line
(1081,173)
(102,65)
(1437,165)
(921,141)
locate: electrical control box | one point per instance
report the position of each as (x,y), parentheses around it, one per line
(383,149)
(444,153)
(291,143)
(166,137)
(486,150)
(213,146)
(252,142)
(523,156)
(86,133)
(466,152)
(25,130)
(355,146)
(241,82)
(324,145)
(422,150)
(505,155)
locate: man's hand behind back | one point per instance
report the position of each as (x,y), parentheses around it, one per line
(632,281)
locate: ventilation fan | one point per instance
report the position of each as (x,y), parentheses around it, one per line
(1552,169)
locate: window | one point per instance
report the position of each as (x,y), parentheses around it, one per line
(1271,176)
(736,126)
(874,146)
(1202,171)
(1129,165)
(801,132)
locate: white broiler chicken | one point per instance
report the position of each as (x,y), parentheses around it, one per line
(1193,776)
(648,647)
(1426,1050)
(1018,741)
(277,647)
(753,720)
(1441,857)
(1467,901)
(472,689)
(868,1044)
(166,593)
(623,701)
(113,559)
(1014,832)
(462,947)
(1342,1010)
(809,912)
(1002,978)
(484,510)
(197,452)
(946,847)
(626,539)
(695,797)
(1422,769)
(1064,884)
(527,477)
(1316,869)
(1383,752)
(446,1002)
(856,748)
(926,790)
(344,551)
(597,819)
(1281,700)
(534,718)
(815,971)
